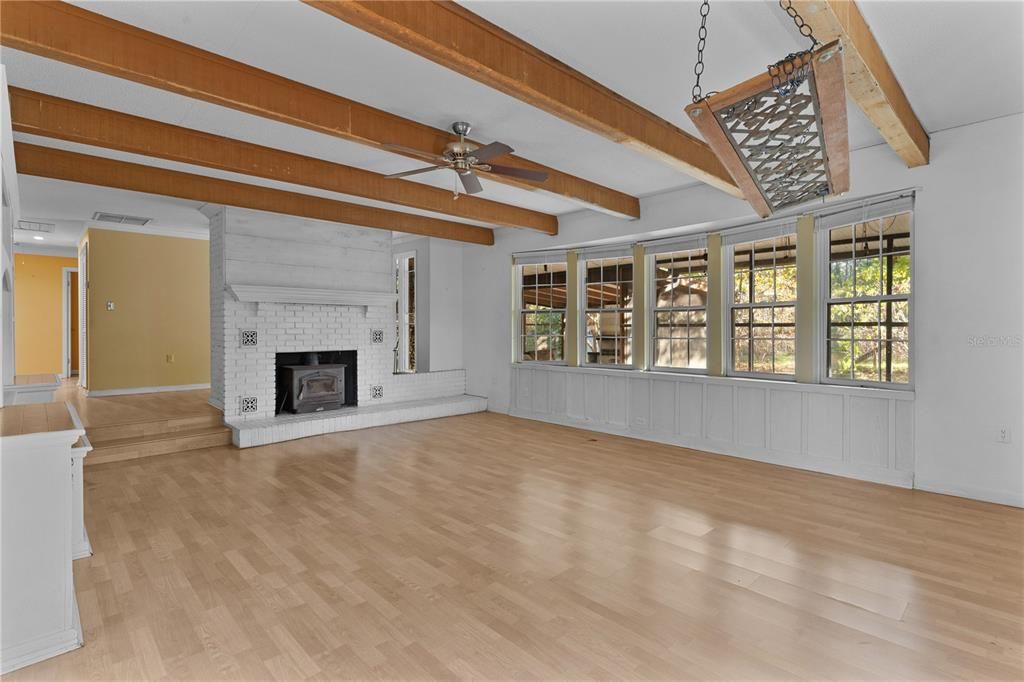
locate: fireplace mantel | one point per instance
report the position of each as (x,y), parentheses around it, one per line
(260,293)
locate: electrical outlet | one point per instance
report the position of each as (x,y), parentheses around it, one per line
(170,358)
(110,306)
(1003,435)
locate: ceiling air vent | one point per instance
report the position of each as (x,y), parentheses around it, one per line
(33,226)
(120,219)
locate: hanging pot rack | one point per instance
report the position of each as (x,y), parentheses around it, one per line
(783,134)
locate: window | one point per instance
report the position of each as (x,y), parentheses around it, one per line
(868,338)
(608,311)
(763,307)
(405,313)
(542,306)
(680,299)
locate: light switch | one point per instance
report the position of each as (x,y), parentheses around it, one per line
(110,306)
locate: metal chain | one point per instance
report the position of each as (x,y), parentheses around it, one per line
(790,72)
(702,37)
(805,29)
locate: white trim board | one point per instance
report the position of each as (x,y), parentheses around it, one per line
(969,492)
(65,319)
(46,250)
(155,230)
(144,389)
(260,293)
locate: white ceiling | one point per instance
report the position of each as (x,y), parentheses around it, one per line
(960,62)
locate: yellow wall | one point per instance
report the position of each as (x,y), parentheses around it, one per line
(37,313)
(159,331)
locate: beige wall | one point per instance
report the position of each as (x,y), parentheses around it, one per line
(159,331)
(38,312)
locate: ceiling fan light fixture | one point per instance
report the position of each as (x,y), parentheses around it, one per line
(464,158)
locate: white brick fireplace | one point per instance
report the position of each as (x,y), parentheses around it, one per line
(286,284)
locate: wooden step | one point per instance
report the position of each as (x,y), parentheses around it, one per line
(161,444)
(109,433)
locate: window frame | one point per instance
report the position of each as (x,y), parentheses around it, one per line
(519,310)
(650,328)
(401,261)
(823,261)
(728,282)
(581,274)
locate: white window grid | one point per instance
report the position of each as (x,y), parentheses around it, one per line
(690,317)
(778,315)
(540,300)
(607,291)
(826,333)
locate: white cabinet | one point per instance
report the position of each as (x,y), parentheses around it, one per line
(40,530)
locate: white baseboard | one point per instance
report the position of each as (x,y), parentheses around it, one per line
(215,403)
(970,492)
(40,649)
(82,548)
(144,389)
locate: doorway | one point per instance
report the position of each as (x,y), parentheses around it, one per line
(70,327)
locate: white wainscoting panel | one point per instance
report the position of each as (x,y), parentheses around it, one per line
(860,433)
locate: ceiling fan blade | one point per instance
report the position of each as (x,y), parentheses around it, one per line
(409,151)
(406,174)
(470,183)
(524,173)
(491,151)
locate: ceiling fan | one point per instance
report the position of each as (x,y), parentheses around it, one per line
(466,157)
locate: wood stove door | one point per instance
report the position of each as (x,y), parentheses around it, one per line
(318,387)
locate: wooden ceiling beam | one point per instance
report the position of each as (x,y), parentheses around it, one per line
(870,80)
(94,170)
(462,41)
(70,34)
(39,114)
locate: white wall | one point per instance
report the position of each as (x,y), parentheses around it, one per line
(969,252)
(10,215)
(439,302)
(446,298)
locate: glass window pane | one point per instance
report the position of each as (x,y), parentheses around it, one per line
(678,353)
(841,278)
(740,355)
(662,353)
(762,326)
(761,360)
(785,283)
(900,275)
(900,362)
(868,239)
(785,357)
(866,361)
(784,318)
(764,285)
(542,352)
(741,287)
(698,354)
(865,325)
(840,360)
(868,273)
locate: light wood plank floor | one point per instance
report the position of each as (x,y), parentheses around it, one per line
(489,547)
(97,411)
